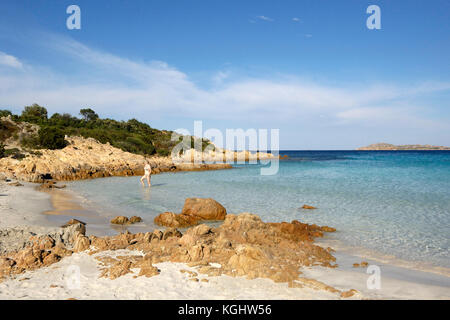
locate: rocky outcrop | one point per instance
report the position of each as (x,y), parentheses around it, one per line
(36,251)
(87,158)
(388,146)
(220,155)
(194,210)
(243,245)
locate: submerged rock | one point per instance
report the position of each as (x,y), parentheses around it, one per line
(124,220)
(135,219)
(119,220)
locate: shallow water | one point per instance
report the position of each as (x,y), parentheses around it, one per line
(396,203)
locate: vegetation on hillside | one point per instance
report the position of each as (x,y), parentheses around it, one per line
(2,150)
(132,135)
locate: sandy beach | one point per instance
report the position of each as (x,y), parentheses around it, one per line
(178,280)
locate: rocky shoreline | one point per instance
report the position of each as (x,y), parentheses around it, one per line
(86,158)
(243,246)
(388,146)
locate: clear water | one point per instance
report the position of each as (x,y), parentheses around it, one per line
(396,203)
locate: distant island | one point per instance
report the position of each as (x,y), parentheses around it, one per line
(388,146)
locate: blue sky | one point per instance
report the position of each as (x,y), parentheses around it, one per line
(309,68)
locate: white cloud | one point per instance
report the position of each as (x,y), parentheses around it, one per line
(123,87)
(296,19)
(265,18)
(10,61)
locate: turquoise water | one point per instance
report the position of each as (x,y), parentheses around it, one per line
(396,203)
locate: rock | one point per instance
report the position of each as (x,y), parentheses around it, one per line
(363,264)
(61,251)
(243,245)
(248,259)
(204,209)
(327,229)
(349,293)
(119,269)
(15,184)
(46,243)
(135,219)
(86,158)
(171,232)
(81,225)
(71,222)
(307,207)
(170,219)
(82,243)
(49,184)
(120,220)
(148,270)
(51,258)
(193,234)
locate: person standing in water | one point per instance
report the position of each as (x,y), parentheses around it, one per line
(147,173)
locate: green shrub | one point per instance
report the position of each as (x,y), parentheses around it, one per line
(132,135)
(51,138)
(14,153)
(30,142)
(2,150)
(5,113)
(34,113)
(163,152)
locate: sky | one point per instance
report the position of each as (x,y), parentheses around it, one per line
(311,69)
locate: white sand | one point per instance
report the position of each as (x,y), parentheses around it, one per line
(23,206)
(169,284)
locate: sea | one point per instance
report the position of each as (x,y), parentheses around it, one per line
(392,203)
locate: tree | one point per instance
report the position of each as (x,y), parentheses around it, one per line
(5,113)
(51,138)
(88,114)
(34,113)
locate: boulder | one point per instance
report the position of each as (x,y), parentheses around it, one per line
(135,219)
(170,219)
(204,209)
(308,207)
(124,220)
(82,243)
(81,225)
(148,270)
(120,220)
